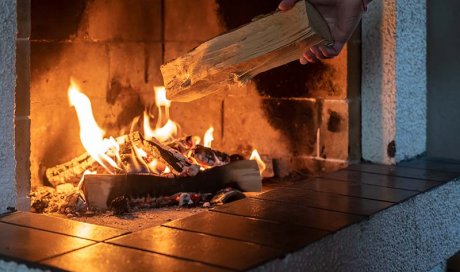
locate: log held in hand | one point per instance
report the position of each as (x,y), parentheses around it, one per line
(237,56)
(100,190)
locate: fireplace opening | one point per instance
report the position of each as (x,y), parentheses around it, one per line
(297,117)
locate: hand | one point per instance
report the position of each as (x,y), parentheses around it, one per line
(342,17)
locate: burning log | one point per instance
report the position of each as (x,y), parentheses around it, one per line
(72,171)
(100,190)
(236,57)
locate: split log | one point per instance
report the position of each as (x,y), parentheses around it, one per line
(72,171)
(236,57)
(100,190)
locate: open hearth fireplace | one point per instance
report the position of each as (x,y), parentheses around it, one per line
(147,168)
(122,146)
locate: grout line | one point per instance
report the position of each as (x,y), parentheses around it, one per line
(171,256)
(328,209)
(224,237)
(261,218)
(67,252)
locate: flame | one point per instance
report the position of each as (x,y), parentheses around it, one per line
(255,156)
(165,129)
(208,137)
(91,135)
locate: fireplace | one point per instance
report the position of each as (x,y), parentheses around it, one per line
(306,119)
(113,50)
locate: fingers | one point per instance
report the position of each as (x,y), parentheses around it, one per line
(286,4)
(319,52)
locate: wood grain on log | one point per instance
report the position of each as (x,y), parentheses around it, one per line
(236,57)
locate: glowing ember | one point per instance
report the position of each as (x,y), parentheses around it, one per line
(91,135)
(208,137)
(255,156)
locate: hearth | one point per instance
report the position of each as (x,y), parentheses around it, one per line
(302,120)
(295,116)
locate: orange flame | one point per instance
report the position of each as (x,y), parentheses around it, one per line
(208,137)
(165,128)
(91,135)
(255,156)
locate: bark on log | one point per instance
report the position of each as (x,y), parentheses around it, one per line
(100,190)
(236,57)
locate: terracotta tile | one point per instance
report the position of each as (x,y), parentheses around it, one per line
(106,257)
(63,226)
(35,245)
(203,248)
(286,236)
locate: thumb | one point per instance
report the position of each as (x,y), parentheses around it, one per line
(286,4)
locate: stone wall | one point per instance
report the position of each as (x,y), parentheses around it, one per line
(7,88)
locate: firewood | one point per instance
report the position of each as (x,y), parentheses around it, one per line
(237,56)
(72,171)
(100,190)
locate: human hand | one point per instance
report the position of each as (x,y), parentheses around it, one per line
(342,17)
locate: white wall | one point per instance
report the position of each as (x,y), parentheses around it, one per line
(394,80)
(7,89)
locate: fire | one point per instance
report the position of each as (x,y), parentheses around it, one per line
(208,137)
(165,129)
(91,135)
(255,156)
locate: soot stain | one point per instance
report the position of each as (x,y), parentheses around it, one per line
(391,149)
(297,120)
(126,95)
(56,19)
(334,123)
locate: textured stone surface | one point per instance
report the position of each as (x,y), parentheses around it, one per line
(415,235)
(16,267)
(334,130)
(394,80)
(191,20)
(7,88)
(125,20)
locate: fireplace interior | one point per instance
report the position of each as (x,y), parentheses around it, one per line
(297,117)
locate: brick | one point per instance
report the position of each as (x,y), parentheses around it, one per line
(23,18)
(197,116)
(125,20)
(191,20)
(136,65)
(280,128)
(334,130)
(55,130)
(22,156)
(326,80)
(22,94)
(174,50)
(55,19)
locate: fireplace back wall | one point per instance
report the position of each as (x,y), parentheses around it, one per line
(297,114)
